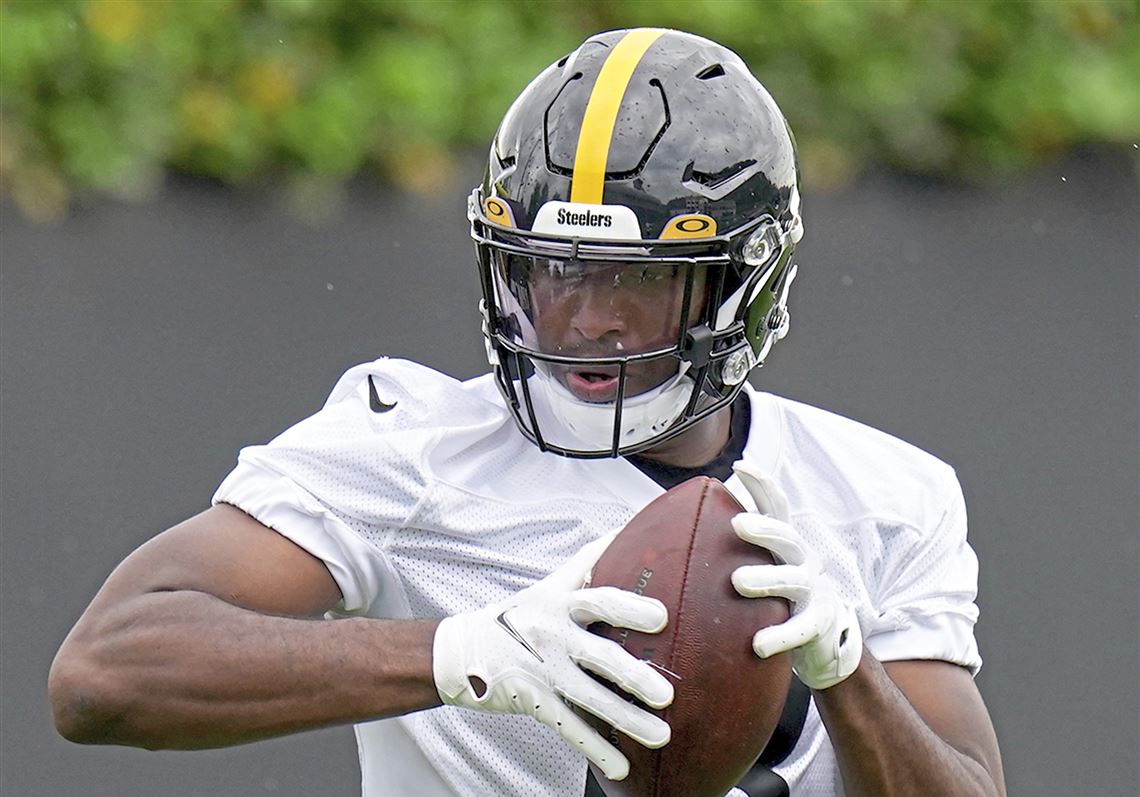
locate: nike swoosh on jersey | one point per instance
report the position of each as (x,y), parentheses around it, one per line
(374,398)
(515,635)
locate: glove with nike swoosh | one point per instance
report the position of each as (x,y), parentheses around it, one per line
(530,653)
(823,631)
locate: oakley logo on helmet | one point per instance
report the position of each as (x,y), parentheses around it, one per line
(498,211)
(692,225)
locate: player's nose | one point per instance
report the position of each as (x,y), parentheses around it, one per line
(598,312)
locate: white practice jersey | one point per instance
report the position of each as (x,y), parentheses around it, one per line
(429,502)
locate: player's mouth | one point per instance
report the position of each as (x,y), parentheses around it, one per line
(598,384)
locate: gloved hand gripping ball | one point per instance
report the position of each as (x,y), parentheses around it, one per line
(530,655)
(823,632)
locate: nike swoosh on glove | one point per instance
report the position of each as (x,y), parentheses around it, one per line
(823,631)
(530,653)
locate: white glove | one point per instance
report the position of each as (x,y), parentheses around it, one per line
(527,655)
(823,631)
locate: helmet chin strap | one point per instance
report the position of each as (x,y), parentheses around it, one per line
(642,416)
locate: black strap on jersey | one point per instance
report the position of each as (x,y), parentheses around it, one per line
(790,726)
(592,787)
(763,782)
(760,781)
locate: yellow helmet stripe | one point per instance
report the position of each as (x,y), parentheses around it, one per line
(601,114)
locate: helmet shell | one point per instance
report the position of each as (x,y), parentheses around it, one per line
(695,132)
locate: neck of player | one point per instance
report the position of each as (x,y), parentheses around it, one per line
(698,445)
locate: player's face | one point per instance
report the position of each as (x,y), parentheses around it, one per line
(608,310)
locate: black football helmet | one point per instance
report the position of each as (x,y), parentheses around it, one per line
(635,230)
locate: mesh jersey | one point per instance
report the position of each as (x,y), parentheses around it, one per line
(439,506)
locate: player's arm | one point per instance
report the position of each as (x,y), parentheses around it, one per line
(904,728)
(210,635)
(911,728)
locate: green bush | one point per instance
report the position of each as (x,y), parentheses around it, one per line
(103,96)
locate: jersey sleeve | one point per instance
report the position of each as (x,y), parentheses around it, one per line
(361,572)
(927,606)
(341,481)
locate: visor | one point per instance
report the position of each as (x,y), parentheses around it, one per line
(576,308)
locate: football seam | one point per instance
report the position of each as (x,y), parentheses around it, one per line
(681,608)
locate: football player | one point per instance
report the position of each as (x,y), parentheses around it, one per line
(635,231)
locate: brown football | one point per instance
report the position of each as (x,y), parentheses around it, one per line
(681,549)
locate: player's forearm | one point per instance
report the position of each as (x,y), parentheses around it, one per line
(885,749)
(183,670)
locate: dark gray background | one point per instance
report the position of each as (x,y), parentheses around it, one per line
(995,326)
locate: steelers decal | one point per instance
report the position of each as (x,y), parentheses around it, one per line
(579,220)
(498,212)
(690,225)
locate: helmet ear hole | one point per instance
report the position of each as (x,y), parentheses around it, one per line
(710,72)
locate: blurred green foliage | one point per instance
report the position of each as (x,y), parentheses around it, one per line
(103,96)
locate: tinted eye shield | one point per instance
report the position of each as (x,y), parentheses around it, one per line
(695,342)
(678,295)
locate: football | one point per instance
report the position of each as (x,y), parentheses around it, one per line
(681,549)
